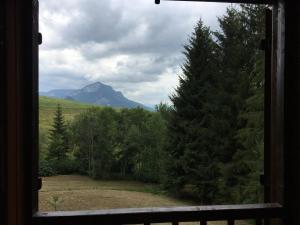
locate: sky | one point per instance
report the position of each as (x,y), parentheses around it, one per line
(134,46)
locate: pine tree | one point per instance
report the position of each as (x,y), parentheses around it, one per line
(248,158)
(242,69)
(194,124)
(216,125)
(58,139)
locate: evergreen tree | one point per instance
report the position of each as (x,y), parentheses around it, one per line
(58,141)
(242,69)
(193,134)
(216,125)
(248,158)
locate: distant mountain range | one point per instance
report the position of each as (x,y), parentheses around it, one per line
(97,94)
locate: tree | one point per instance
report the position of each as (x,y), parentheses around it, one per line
(105,143)
(247,161)
(242,68)
(94,137)
(216,124)
(84,135)
(193,127)
(58,142)
(164,110)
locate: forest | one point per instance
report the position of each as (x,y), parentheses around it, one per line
(207,144)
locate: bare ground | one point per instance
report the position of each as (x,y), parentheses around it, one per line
(74,192)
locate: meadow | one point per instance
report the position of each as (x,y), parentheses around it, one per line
(77,192)
(48,106)
(74,192)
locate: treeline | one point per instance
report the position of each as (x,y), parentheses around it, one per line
(208,144)
(124,144)
(106,143)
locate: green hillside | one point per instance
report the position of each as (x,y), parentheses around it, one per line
(47,107)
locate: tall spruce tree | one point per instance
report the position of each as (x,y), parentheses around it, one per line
(247,161)
(194,125)
(242,68)
(58,139)
(216,125)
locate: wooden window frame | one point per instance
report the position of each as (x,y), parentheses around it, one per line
(19,166)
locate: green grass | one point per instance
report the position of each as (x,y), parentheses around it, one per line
(47,108)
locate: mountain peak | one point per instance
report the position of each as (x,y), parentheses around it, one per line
(96,93)
(95,87)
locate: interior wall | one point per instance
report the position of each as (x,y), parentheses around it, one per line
(2,116)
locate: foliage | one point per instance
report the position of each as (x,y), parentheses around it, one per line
(46,168)
(43,143)
(248,158)
(58,143)
(48,106)
(125,143)
(55,202)
(194,128)
(216,125)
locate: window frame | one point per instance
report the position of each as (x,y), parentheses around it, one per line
(23,92)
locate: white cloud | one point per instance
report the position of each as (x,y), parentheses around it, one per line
(133,45)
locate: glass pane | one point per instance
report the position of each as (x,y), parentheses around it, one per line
(145,105)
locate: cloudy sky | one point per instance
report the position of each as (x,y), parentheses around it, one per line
(133,45)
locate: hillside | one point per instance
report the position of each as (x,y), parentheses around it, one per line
(47,107)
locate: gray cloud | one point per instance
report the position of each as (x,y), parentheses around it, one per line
(60,79)
(129,44)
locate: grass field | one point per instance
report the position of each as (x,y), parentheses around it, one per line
(82,193)
(48,106)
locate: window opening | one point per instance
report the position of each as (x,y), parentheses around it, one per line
(85,134)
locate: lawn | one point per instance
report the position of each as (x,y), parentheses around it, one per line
(82,193)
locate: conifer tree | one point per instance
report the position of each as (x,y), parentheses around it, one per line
(247,163)
(242,69)
(58,139)
(194,126)
(216,125)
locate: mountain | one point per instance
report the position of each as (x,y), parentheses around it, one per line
(97,94)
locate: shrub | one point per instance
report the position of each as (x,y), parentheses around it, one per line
(66,166)
(46,169)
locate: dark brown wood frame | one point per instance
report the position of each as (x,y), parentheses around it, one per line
(172,215)
(19,86)
(2,114)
